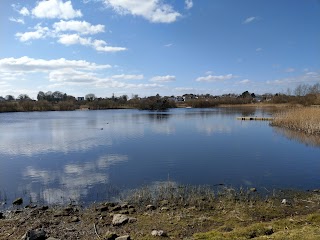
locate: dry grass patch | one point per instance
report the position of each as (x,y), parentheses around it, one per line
(301,119)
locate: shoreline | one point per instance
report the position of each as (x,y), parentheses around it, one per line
(225,214)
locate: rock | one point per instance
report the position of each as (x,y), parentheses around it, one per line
(17,201)
(316,190)
(284,201)
(124,211)
(64,212)
(102,208)
(37,234)
(52,238)
(252,189)
(132,210)
(119,219)
(124,205)
(116,208)
(1,215)
(132,220)
(43,208)
(125,237)
(110,236)
(150,207)
(160,233)
(164,209)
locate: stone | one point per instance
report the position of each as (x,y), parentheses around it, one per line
(110,236)
(119,219)
(164,209)
(17,201)
(253,189)
(316,190)
(52,238)
(44,208)
(124,211)
(125,237)
(150,207)
(102,208)
(37,234)
(160,233)
(1,215)
(116,208)
(284,201)
(132,220)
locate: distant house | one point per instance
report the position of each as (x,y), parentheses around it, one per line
(80,98)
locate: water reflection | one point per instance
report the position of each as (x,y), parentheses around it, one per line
(307,139)
(71,182)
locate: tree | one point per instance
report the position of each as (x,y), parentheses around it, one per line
(24,97)
(90,97)
(10,98)
(41,96)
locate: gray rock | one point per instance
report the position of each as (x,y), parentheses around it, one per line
(160,233)
(119,219)
(150,207)
(164,209)
(125,237)
(17,201)
(37,234)
(253,189)
(52,238)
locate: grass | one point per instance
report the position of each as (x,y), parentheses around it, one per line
(305,119)
(183,212)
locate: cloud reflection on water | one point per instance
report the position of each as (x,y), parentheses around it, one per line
(72,181)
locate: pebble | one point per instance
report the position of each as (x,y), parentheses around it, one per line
(160,233)
(17,201)
(119,219)
(150,207)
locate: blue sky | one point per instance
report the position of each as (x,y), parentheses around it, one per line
(170,47)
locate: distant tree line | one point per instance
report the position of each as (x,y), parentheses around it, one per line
(58,101)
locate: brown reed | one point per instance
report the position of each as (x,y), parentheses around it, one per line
(304,119)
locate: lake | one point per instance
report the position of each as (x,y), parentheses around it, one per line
(86,156)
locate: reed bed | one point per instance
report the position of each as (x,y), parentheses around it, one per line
(300,119)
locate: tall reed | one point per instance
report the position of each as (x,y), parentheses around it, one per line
(306,119)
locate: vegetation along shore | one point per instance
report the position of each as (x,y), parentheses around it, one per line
(174,212)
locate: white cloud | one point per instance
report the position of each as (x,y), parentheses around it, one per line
(81,27)
(55,9)
(289,70)
(98,45)
(258,49)
(211,78)
(167,78)
(306,78)
(128,77)
(26,64)
(249,20)
(245,81)
(152,10)
(189,4)
(17,20)
(24,11)
(168,45)
(39,33)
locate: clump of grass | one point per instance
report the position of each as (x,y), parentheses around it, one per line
(300,119)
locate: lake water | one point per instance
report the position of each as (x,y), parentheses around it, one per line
(86,156)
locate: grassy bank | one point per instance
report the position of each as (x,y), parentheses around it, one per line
(304,119)
(181,212)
